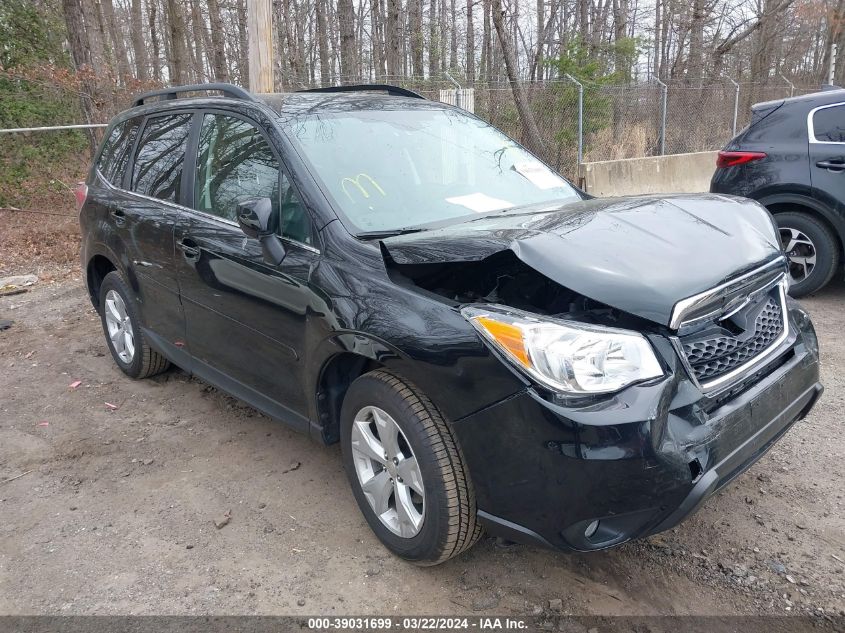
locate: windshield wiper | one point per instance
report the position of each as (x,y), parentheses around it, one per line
(370,235)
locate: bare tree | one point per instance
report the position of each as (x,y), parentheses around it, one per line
(346,20)
(529,125)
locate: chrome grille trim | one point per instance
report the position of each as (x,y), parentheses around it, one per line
(758,280)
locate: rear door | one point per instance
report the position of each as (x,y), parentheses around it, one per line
(246,320)
(148,217)
(826,131)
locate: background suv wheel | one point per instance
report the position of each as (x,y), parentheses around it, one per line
(123,333)
(812,250)
(406,470)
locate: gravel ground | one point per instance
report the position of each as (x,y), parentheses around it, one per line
(111,510)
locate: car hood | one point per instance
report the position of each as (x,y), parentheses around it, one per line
(639,254)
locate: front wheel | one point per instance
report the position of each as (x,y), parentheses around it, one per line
(812,250)
(406,470)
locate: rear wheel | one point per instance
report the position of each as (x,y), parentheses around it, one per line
(812,251)
(122,328)
(406,470)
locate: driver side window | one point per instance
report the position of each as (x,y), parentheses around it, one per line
(235,163)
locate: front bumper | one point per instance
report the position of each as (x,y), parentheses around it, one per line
(638,462)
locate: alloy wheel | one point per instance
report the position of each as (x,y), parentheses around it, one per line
(120,327)
(388,471)
(801,253)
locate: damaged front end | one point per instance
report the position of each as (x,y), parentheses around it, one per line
(654,382)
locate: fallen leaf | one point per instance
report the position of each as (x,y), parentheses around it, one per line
(74,384)
(110,406)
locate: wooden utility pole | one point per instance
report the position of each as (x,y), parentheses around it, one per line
(260,33)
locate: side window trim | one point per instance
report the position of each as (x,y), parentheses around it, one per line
(192,150)
(811,133)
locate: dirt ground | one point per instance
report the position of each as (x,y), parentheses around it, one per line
(110,511)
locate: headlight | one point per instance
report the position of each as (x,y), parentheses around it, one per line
(566,356)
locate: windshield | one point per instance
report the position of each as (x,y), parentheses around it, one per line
(391,170)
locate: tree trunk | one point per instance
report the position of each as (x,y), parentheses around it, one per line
(470,44)
(198,30)
(323,43)
(155,43)
(93,34)
(81,55)
(346,26)
(116,36)
(444,33)
(416,37)
(695,65)
(486,45)
(620,32)
(656,61)
(529,125)
(218,42)
(453,48)
(433,40)
(142,69)
(243,44)
(178,52)
(393,38)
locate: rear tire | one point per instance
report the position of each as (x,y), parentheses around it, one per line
(812,249)
(122,327)
(448,523)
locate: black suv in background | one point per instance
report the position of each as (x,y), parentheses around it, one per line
(490,347)
(791,159)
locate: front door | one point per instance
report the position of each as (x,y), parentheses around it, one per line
(246,319)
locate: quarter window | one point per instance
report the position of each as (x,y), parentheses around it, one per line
(161,153)
(829,124)
(115,154)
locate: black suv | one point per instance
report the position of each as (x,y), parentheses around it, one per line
(492,348)
(791,159)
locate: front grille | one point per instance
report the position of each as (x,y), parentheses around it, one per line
(719,349)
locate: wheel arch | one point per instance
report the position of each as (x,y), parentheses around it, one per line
(336,375)
(96,270)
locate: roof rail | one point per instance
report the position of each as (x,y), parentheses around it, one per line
(166,94)
(395,91)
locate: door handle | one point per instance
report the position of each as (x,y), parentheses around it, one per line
(833,165)
(190,249)
(119,216)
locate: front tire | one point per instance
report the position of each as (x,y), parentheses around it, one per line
(122,328)
(812,250)
(406,470)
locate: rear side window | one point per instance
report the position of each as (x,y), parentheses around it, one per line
(829,124)
(161,153)
(116,148)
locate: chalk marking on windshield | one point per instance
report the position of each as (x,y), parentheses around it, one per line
(356,181)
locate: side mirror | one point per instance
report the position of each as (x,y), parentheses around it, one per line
(255,217)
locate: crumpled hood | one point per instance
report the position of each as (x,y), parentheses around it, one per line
(639,254)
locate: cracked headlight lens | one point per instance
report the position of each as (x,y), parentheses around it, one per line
(566,356)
